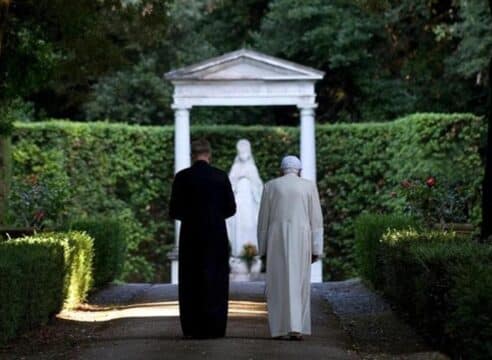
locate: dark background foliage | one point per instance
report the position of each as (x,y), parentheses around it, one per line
(89,60)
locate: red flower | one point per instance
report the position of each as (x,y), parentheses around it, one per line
(431,181)
(32,179)
(39,215)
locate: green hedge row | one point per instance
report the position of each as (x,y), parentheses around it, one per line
(79,254)
(442,283)
(109,247)
(31,285)
(39,275)
(126,171)
(369,229)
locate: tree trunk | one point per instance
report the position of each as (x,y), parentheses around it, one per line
(487,181)
(4,12)
(5,175)
(5,155)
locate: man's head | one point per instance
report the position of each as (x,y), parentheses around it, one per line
(201,150)
(291,165)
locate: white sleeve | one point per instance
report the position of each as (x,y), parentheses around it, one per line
(263,219)
(316,219)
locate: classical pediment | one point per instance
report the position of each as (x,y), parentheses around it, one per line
(245,65)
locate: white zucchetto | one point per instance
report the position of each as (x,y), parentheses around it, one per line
(291,162)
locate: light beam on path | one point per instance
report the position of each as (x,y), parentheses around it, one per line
(157,309)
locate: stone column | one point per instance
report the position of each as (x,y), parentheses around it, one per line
(182,160)
(308,142)
(308,159)
(182,141)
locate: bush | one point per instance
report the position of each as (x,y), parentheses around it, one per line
(126,171)
(39,275)
(368,231)
(78,254)
(424,275)
(470,324)
(39,202)
(109,247)
(31,284)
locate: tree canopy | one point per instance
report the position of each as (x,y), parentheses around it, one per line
(89,60)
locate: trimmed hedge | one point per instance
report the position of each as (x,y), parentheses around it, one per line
(471,320)
(78,257)
(441,282)
(31,284)
(79,254)
(109,247)
(369,228)
(39,275)
(127,171)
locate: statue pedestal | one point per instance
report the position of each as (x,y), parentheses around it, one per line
(239,270)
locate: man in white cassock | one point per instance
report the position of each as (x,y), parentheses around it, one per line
(290,239)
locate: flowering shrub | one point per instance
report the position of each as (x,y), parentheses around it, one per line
(436,201)
(38,202)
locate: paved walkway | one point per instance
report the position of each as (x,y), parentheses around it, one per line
(141,321)
(145,325)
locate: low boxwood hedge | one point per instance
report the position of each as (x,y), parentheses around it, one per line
(41,274)
(31,284)
(471,319)
(368,230)
(109,246)
(79,254)
(441,283)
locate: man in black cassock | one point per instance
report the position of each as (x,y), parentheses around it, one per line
(202,198)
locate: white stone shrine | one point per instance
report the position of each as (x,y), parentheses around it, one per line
(245,78)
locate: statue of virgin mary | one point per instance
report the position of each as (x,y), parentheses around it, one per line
(247,187)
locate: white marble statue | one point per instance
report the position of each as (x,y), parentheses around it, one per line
(248,188)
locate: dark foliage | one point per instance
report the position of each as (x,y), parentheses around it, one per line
(126,172)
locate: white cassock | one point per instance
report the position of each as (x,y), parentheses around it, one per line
(290,230)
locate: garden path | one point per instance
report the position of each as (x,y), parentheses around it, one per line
(159,336)
(140,321)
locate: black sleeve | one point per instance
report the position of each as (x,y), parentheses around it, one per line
(176,211)
(230,202)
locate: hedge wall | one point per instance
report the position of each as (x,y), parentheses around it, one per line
(31,285)
(126,171)
(441,282)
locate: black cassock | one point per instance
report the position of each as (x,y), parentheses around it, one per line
(202,198)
